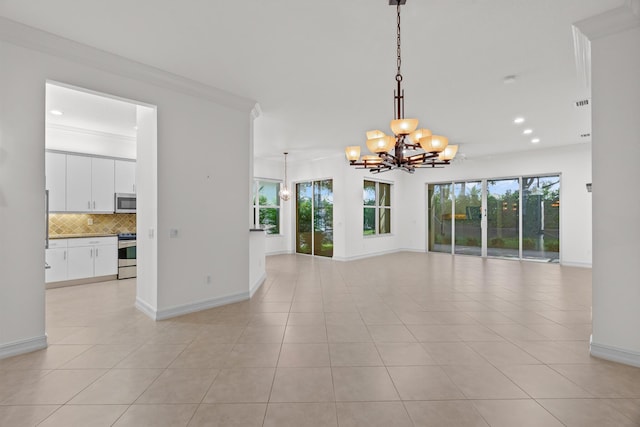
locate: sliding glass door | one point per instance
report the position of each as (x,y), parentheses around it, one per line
(487,218)
(314,218)
(503,218)
(468,217)
(541,218)
(440,205)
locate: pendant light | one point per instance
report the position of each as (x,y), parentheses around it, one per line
(284,193)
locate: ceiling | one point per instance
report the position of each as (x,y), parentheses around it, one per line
(323,71)
(86,111)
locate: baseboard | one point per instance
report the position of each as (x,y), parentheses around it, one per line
(576,264)
(369,255)
(180,310)
(258,283)
(23,346)
(278,253)
(614,354)
(144,307)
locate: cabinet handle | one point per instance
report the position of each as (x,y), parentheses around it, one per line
(91,252)
(64,255)
(89,204)
(94,204)
(134,188)
(96,252)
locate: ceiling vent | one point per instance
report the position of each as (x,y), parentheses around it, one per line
(585,135)
(583,103)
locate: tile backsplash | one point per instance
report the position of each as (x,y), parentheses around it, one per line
(62,224)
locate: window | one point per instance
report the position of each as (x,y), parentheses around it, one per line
(266,206)
(377,208)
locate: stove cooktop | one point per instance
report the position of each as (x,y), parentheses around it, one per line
(127,236)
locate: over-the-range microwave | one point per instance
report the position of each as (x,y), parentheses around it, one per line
(125,203)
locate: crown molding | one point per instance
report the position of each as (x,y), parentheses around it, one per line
(42,41)
(83,131)
(256,111)
(622,18)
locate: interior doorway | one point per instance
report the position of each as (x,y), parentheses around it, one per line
(314,218)
(101,181)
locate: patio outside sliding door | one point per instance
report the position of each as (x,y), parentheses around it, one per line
(314,218)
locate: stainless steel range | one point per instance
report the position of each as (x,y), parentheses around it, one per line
(127,255)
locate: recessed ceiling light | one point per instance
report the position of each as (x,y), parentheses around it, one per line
(527,131)
(56,112)
(518,120)
(135,128)
(535,140)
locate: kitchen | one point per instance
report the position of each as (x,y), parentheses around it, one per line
(90,169)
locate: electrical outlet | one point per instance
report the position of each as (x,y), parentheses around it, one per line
(89,221)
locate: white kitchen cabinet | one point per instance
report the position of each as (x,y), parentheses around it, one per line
(125,179)
(102,187)
(90,184)
(80,262)
(55,170)
(56,259)
(92,257)
(105,261)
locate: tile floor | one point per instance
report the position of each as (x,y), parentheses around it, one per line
(399,340)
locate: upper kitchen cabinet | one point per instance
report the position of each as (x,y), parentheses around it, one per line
(90,184)
(56,173)
(125,176)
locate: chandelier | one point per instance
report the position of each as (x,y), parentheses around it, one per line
(284,192)
(410,148)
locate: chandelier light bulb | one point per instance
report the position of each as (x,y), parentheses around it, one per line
(352,153)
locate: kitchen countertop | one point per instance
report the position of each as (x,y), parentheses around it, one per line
(75,236)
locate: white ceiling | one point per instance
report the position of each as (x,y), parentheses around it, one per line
(323,71)
(86,111)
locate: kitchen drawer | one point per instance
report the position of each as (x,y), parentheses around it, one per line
(92,241)
(57,243)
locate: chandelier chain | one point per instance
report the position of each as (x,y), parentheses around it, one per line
(399,58)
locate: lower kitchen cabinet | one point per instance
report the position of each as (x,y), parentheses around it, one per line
(83,258)
(56,259)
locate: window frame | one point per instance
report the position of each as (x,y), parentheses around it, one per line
(377,207)
(256,207)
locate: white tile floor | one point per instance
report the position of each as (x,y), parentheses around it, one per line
(398,340)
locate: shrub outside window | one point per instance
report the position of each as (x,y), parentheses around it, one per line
(266,206)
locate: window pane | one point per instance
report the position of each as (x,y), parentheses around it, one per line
(303,218)
(385,194)
(541,218)
(270,220)
(467,218)
(268,192)
(369,223)
(503,207)
(385,221)
(440,218)
(369,193)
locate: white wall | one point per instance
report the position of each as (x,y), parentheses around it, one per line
(194,123)
(572,162)
(616,174)
(409,199)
